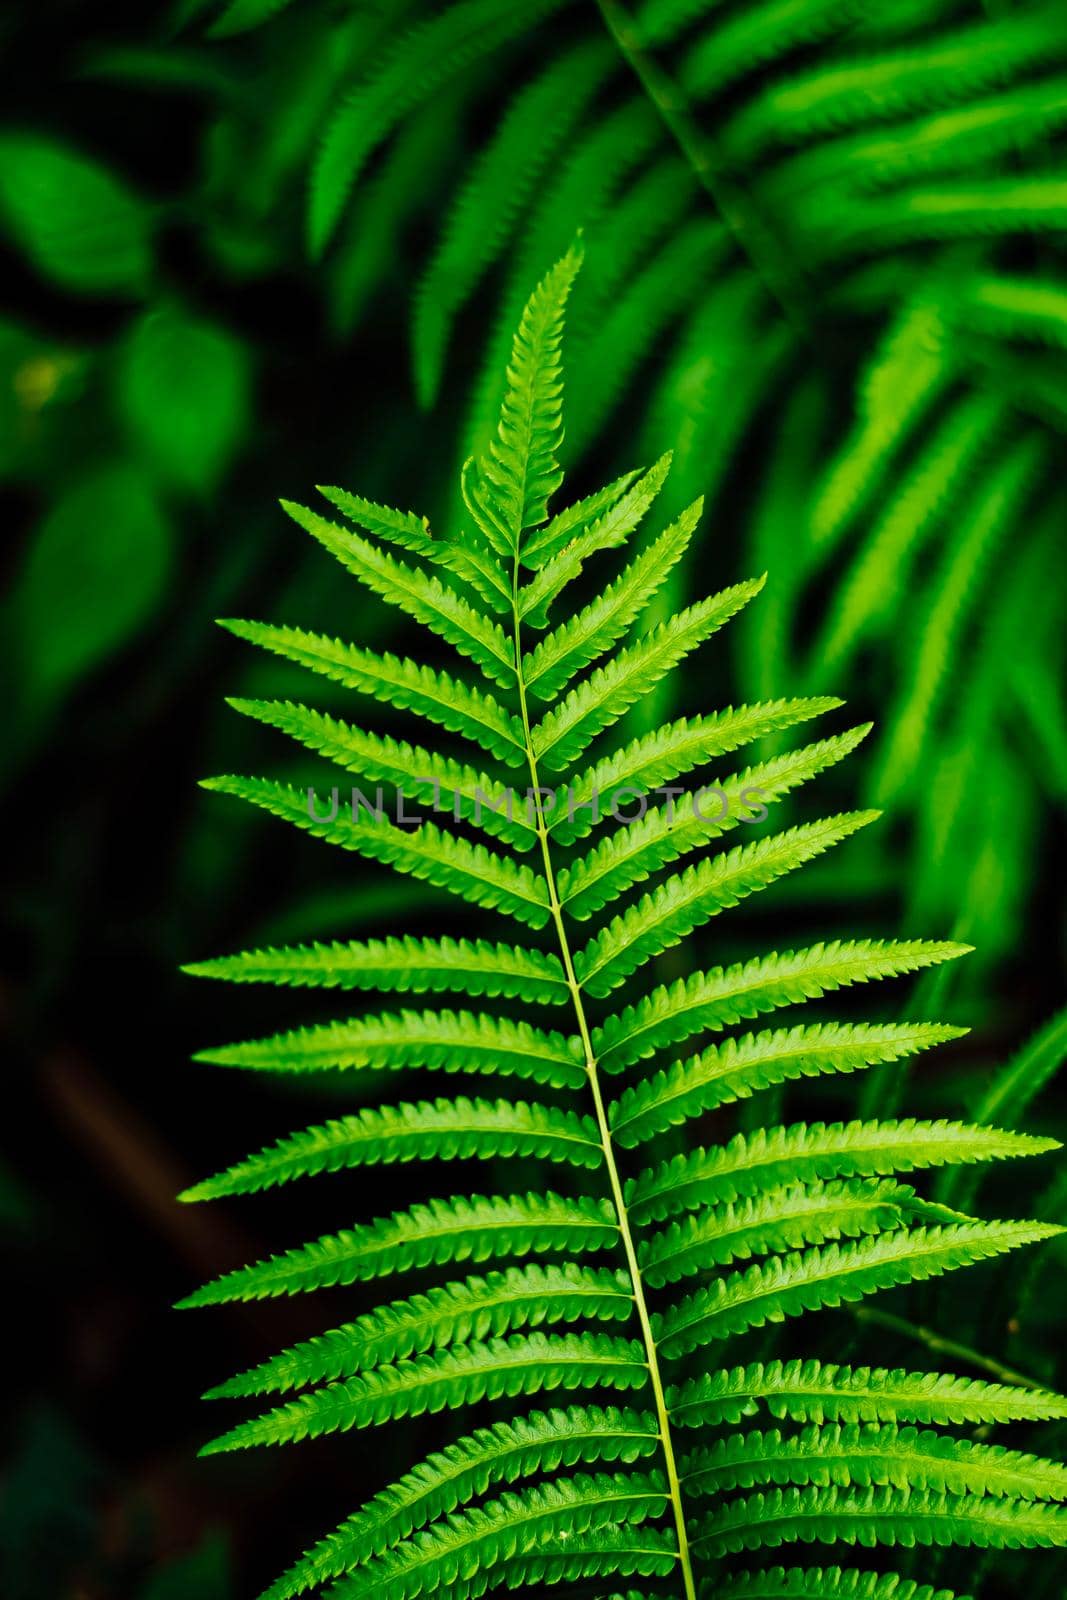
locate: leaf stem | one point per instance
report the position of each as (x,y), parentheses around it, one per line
(944,1347)
(614,1179)
(748,228)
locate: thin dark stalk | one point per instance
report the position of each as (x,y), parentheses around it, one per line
(944,1347)
(732,204)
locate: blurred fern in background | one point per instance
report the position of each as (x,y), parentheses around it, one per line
(827,265)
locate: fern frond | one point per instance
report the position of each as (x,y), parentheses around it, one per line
(522,1364)
(602,698)
(573,645)
(664,754)
(808,1151)
(665,833)
(871,1455)
(413,534)
(611,529)
(681,904)
(653,206)
(428,599)
(827,1583)
(645,312)
(768,1225)
(406,965)
(1017,1085)
(813,1391)
(475,1228)
(1011,1091)
(454,1313)
(775,1221)
(909,371)
(709,1001)
(483,216)
(438,696)
(503,1453)
(741,1067)
(573,522)
(1017,307)
(426,852)
(881,570)
(882,1516)
(450,1041)
(611,1552)
(872,88)
(458,1129)
(466,1549)
(431,780)
(964,210)
(983,524)
(420,60)
(834,1275)
(521,465)
(402,528)
(743,42)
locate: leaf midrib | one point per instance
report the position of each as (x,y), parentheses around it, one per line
(615,1181)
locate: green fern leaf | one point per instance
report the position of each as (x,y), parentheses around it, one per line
(456,1129)
(536,124)
(442,1231)
(775,1221)
(870,88)
(426,56)
(460,1556)
(426,852)
(436,695)
(612,528)
(741,1067)
(833,1276)
(448,1040)
(412,533)
(521,466)
(771,1156)
(885,1516)
(522,1364)
(812,1391)
(665,833)
(503,1453)
(682,903)
(741,43)
(768,1224)
(658,757)
(873,1455)
(828,1583)
(603,697)
(550,667)
(717,999)
(428,599)
(573,522)
(407,965)
(455,1313)
(429,780)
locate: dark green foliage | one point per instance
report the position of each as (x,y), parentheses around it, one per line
(844,216)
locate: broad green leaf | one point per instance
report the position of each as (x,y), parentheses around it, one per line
(183,388)
(79,224)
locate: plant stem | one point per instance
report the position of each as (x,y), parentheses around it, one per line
(615,1181)
(944,1347)
(749,229)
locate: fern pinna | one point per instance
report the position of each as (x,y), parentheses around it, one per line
(619,1284)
